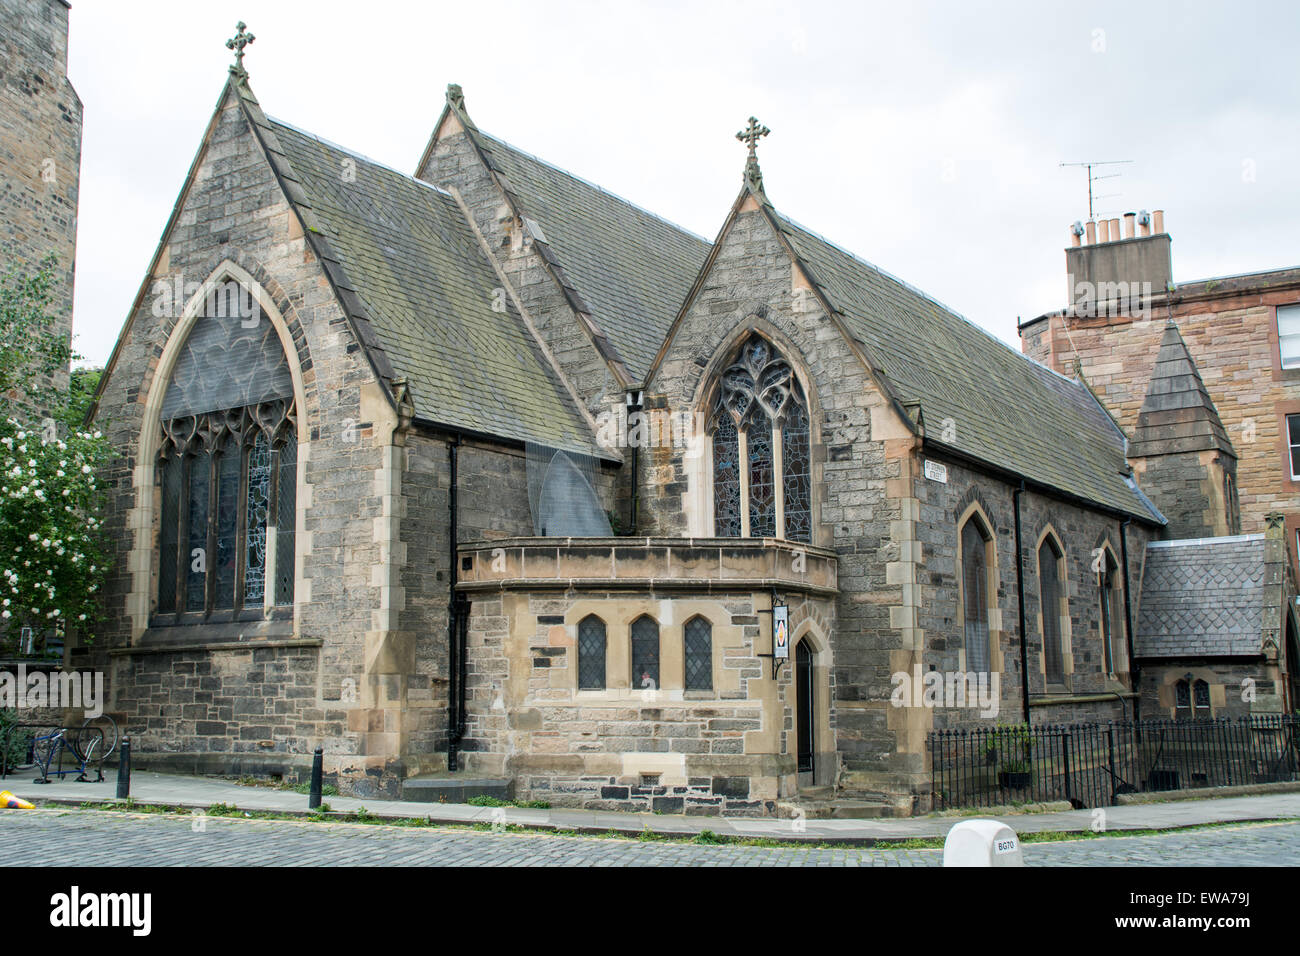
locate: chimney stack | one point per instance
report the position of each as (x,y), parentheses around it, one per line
(1113,269)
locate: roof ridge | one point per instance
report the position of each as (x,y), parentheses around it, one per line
(1221,539)
(352,152)
(596,186)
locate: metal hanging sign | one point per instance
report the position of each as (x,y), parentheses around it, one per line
(781,631)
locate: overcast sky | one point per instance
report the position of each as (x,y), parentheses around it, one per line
(925,138)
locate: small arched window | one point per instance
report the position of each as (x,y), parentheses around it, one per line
(645,653)
(975,594)
(1191,699)
(591,653)
(698,654)
(1049,592)
(228,462)
(761,458)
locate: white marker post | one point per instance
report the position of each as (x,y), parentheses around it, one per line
(982,843)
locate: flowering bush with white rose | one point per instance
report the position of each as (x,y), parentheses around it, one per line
(53,551)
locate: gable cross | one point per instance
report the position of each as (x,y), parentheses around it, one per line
(751,134)
(237,43)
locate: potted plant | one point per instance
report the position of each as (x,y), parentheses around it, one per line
(1014,774)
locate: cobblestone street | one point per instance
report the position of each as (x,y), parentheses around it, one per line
(93,838)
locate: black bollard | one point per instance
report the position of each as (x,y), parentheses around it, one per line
(313,799)
(124,770)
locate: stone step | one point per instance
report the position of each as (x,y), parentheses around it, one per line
(835,809)
(453,788)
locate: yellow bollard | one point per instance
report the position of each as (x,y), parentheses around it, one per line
(9,802)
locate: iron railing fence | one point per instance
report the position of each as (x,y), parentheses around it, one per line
(1091,764)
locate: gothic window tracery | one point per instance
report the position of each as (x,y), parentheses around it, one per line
(228,464)
(759,425)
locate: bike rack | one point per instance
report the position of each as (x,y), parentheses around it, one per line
(62,738)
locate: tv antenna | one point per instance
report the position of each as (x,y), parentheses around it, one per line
(1092,178)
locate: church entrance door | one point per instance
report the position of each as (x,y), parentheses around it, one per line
(803,721)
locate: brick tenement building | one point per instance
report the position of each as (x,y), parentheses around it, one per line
(40,145)
(1230,326)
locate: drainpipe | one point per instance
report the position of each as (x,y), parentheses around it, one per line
(455,682)
(1020,604)
(1128,623)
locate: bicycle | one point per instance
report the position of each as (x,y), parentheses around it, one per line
(107,729)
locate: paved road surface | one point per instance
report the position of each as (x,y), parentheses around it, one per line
(96,838)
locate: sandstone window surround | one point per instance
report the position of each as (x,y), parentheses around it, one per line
(759,456)
(227,467)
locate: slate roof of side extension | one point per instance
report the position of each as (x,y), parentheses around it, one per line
(1008,410)
(1177,414)
(632,268)
(429,289)
(1202,597)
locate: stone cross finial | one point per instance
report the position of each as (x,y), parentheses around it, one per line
(455,96)
(751,134)
(237,43)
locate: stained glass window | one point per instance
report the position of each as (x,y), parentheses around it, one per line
(1049,586)
(762,501)
(1182,700)
(168,532)
(196,558)
(699,654)
(758,408)
(645,653)
(227,513)
(974,572)
(796,475)
(228,464)
(286,514)
(591,653)
(726,477)
(257,510)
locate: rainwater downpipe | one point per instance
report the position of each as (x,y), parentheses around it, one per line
(455,650)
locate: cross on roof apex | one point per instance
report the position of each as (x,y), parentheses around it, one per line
(751,134)
(237,43)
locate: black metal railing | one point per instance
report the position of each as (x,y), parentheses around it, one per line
(1091,764)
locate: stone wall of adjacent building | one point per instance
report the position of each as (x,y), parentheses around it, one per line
(40,146)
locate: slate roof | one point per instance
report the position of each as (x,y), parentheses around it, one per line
(427,288)
(1202,597)
(631,268)
(1008,410)
(1177,414)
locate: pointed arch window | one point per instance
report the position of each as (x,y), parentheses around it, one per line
(1050,560)
(591,653)
(759,426)
(975,593)
(645,653)
(228,473)
(1110,597)
(698,654)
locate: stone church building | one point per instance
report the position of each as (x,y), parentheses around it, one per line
(484,473)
